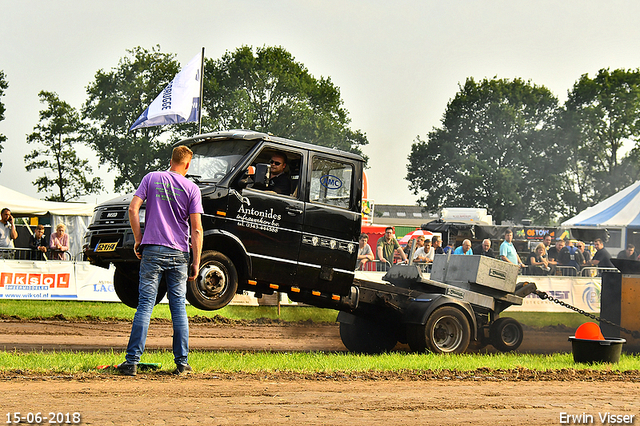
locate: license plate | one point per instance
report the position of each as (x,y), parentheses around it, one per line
(106,247)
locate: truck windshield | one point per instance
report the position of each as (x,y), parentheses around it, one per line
(215,159)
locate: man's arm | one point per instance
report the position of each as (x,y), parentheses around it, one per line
(134,220)
(379,252)
(196,244)
(402,254)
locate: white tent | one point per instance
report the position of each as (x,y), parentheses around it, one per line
(619,215)
(21,204)
(619,210)
(75,216)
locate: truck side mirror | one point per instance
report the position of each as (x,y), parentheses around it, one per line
(256,176)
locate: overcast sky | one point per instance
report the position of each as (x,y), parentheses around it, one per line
(397,64)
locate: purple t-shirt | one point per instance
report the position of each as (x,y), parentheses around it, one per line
(171,198)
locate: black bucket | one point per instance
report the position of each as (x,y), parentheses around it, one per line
(590,351)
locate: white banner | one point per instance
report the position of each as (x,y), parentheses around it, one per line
(583,293)
(179,102)
(59,280)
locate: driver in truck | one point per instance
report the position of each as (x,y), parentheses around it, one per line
(280,182)
(174,204)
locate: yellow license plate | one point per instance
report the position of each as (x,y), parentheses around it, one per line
(106,247)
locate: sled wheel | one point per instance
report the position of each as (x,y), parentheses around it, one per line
(447,331)
(506,334)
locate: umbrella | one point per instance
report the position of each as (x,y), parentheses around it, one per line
(414,235)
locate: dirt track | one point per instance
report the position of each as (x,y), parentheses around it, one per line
(516,397)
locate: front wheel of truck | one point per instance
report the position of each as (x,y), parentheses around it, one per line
(126,281)
(216,283)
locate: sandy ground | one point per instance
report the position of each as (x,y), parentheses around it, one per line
(516,397)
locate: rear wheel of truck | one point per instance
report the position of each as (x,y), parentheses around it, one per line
(126,281)
(216,283)
(365,336)
(447,331)
(506,334)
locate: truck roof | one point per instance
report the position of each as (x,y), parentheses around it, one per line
(253,135)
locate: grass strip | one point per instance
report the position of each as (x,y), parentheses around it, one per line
(74,310)
(304,362)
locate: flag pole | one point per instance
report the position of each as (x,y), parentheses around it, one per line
(201,90)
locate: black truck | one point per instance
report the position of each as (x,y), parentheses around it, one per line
(305,243)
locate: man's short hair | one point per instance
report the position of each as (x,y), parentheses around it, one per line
(363,235)
(6,209)
(435,238)
(282,155)
(388,228)
(181,154)
(508,231)
(40,227)
(631,246)
(598,240)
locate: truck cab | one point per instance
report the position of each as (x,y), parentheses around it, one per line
(303,242)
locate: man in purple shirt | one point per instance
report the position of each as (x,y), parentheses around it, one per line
(173,209)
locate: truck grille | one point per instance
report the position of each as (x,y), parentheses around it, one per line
(112,216)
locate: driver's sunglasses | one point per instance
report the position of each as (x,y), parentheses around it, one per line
(277,163)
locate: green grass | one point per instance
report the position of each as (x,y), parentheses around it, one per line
(30,309)
(301,362)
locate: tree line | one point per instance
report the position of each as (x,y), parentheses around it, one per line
(263,89)
(509,146)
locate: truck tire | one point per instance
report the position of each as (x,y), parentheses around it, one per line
(365,336)
(506,334)
(447,331)
(126,281)
(216,283)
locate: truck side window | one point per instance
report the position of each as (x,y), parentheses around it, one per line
(291,170)
(331,182)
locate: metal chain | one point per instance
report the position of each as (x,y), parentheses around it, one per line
(543,295)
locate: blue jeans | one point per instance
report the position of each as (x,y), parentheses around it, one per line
(173,264)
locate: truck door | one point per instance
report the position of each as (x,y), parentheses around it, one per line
(270,226)
(332,224)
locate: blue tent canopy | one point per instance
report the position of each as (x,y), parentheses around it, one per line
(619,210)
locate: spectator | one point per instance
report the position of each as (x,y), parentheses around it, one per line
(570,256)
(547,242)
(586,254)
(387,246)
(59,242)
(485,249)
(508,252)
(629,253)
(38,243)
(602,258)
(8,231)
(365,254)
(424,253)
(554,251)
(419,242)
(436,242)
(538,261)
(449,248)
(465,248)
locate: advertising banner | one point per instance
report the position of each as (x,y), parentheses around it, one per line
(583,293)
(59,280)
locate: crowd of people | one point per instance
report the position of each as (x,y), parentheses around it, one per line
(565,257)
(54,247)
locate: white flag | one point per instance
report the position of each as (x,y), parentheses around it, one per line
(179,102)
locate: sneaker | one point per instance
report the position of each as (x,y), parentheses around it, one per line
(127,369)
(182,369)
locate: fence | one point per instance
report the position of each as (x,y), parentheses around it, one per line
(28,254)
(566,271)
